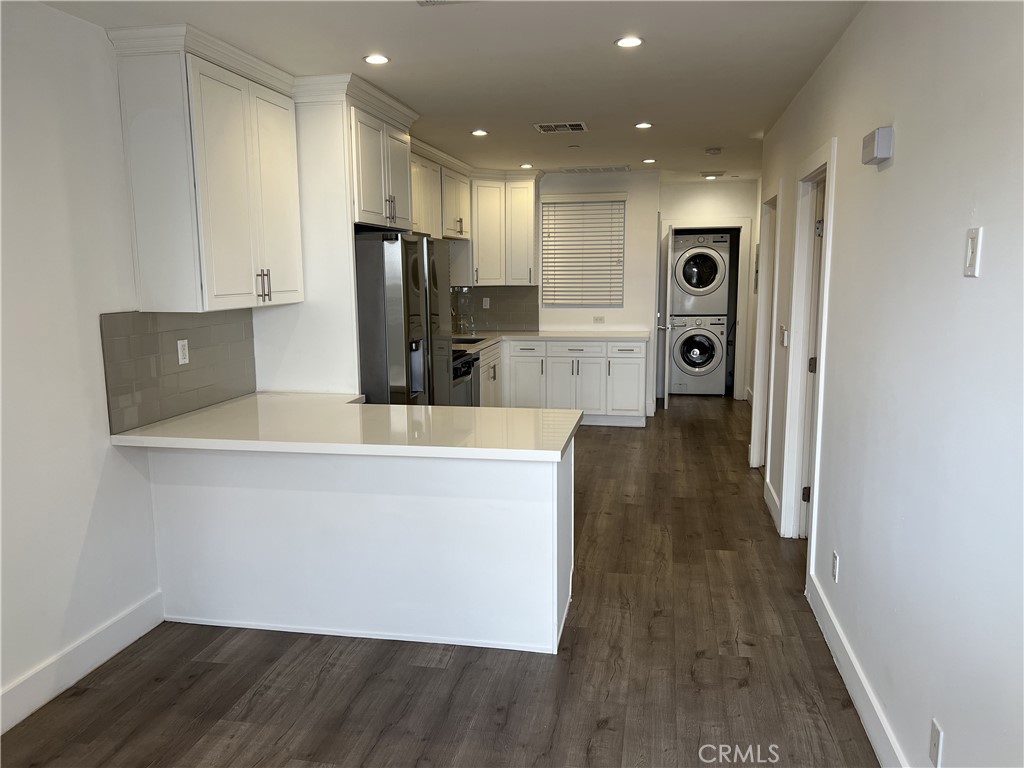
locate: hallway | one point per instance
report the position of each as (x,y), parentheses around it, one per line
(688,628)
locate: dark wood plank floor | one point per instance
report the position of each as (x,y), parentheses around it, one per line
(688,627)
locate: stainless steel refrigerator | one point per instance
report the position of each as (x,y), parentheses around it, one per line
(403,293)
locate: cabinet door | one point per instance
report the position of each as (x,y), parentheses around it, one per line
(419,208)
(591,384)
(489,232)
(455,204)
(368,149)
(520,228)
(626,378)
(226,204)
(277,177)
(561,382)
(432,199)
(526,382)
(498,384)
(399,182)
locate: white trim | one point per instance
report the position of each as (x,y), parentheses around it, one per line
(335,632)
(822,161)
(423,149)
(602,420)
(56,674)
(771,498)
(352,89)
(872,714)
(596,197)
(764,338)
(140,41)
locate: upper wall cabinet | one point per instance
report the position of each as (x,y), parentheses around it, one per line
(213,181)
(455,201)
(504,232)
(426,197)
(382,186)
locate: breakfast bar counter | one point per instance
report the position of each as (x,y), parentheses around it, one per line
(314,513)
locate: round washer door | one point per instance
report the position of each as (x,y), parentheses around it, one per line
(698,352)
(699,271)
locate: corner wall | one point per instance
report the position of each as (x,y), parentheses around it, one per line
(79,561)
(921,435)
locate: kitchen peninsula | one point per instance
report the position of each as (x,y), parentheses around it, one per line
(314,513)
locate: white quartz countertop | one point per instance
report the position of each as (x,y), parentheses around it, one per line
(492,337)
(287,422)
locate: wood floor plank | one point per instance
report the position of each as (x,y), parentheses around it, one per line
(688,629)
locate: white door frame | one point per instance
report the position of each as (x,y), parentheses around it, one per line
(764,323)
(739,377)
(822,162)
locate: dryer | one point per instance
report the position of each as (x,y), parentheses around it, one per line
(700,274)
(698,352)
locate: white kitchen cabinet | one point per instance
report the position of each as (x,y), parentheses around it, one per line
(626,393)
(591,385)
(560,383)
(526,382)
(491,378)
(214,185)
(456,206)
(504,229)
(521,233)
(426,196)
(488,213)
(280,245)
(576,382)
(381,174)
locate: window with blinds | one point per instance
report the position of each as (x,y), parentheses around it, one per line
(583,247)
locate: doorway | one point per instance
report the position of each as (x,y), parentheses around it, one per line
(766,291)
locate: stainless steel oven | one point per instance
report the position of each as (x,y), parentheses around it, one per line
(465,379)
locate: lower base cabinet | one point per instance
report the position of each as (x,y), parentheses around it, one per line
(611,382)
(491,379)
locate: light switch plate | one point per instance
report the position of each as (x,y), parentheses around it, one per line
(972,259)
(935,745)
(182,351)
(487,303)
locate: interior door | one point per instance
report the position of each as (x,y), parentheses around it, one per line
(813,349)
(222,141)
(280,241)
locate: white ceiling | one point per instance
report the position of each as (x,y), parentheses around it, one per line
(709,73)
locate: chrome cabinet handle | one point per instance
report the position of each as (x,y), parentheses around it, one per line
(460,225)
(270,288)
(261,286)
(575,349)
(542,366)
(609,367)
(530,279)
(476,273)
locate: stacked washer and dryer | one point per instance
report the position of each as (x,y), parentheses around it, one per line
(698,313)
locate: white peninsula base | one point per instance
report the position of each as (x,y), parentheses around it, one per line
(454,549)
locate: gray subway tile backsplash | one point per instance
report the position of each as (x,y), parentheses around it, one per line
(140,357)
(512,308)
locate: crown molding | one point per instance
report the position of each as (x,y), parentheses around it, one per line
(442,158)
(339,89)
(516,175)
(184,38)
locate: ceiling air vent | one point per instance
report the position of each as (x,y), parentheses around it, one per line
(560,127)
(597,169)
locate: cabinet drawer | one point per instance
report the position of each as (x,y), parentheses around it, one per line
(626,349)
(529,348)
(577,348)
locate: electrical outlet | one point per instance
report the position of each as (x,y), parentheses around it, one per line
(487,303)
(599,319)
(835,566)
(935,745)
(182,351)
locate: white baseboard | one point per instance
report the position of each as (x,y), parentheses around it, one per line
(750,395)
(872,715)
(343,632)
(59,672)
(771,498)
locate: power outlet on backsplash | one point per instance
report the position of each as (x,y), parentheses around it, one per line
(598,319)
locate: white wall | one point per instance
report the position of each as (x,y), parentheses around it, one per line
(921,443)
(79,563)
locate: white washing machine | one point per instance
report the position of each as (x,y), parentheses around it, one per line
(698,356)
(700,274)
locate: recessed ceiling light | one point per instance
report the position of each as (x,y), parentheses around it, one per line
(526,165)
(376,58)
(710,178)
(574,146)
(712,175)
(630,41)
(479,132)
(649,160)
(643,125)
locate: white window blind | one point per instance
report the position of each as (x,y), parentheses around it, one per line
(582,253)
